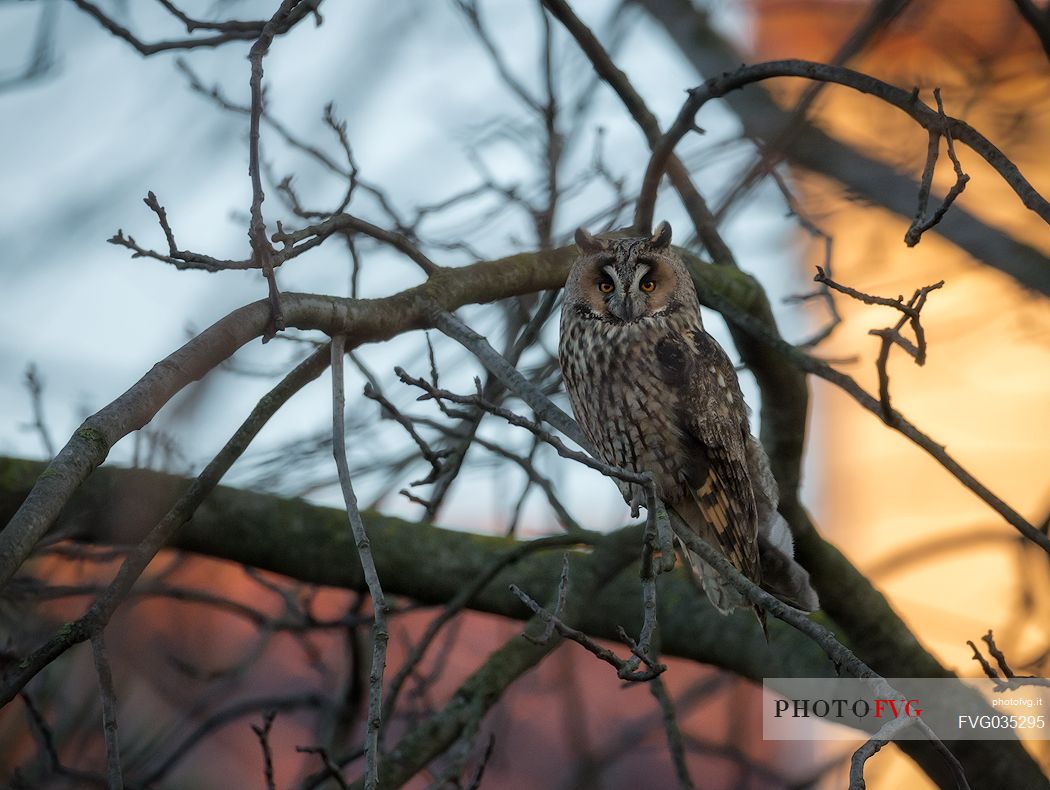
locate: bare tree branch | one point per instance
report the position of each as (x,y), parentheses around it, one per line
(263,734)
(114,772)
(35,386)
(872,746)
(1008,680)
(922,223)
(259,536)
(232,30)
(461,600)
(380,634)
(909,103)
(262,250)
(587,604)
(361,320)
(509,375)
(674,734)
(891,336)
(880,15)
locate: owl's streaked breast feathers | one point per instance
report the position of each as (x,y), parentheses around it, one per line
(654,392)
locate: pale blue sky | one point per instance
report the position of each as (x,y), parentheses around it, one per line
(80,147)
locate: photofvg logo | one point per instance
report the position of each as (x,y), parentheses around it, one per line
(845,708)
(841,708)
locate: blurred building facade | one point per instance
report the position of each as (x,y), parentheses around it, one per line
(949,564)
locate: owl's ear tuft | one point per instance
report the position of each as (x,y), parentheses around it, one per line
(661,236)
(586,242)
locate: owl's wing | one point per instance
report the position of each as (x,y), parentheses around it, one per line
(714,429)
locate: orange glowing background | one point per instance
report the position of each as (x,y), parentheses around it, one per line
(950,565)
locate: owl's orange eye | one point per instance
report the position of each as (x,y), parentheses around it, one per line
(648,285)
(605,286)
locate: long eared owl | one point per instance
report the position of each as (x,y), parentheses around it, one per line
(655,393)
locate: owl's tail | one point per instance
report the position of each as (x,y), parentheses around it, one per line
(782,576)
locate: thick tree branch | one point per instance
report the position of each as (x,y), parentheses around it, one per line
(429,564)
(426,563)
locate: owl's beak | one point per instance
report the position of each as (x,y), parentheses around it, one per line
(625,308)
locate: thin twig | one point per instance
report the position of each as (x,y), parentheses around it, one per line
(495,382)
(871,747)
(262,250)
(552,623)
(184,748)
(479,772)
(807,224)
(114,772)
(701,216)
(41,732)
(433,457)
(329,765)
(45,739)
(920,224)
(192,25)
(559,602)
(879,15)
(476,696)
(431,392)
(571,525)
(35,386)
(263,734)
(342,223)
(891,336)
(498,365)
(380,634)
(470,11)
(1009,680)
(232,31)
(674,734)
